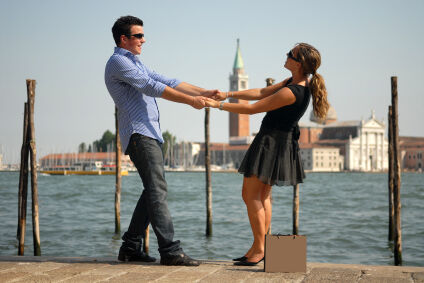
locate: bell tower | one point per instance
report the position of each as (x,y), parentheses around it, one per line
(239,123)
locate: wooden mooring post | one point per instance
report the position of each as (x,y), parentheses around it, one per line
(396,182)
(146,241)
(28,150)
(118,176)
(23,186)
(208,176)
(118,182)
(296,209)
(391,176)
(269,82)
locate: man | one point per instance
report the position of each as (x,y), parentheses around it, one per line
(134,89)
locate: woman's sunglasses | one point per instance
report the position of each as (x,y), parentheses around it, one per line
(291,55)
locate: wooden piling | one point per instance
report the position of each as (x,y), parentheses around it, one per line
(23,186)
(118,176)
(269,81)
(296,209)
(396,184)
(208,176)
(391,175)
(25,122)
(33,163)
(146,241)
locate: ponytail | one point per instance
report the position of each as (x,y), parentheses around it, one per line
(310,58)
(319,96)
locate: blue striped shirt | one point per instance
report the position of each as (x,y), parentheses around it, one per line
(134,89)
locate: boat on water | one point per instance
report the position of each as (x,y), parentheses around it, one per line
(84,168)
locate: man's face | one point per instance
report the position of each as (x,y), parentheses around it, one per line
(133,43)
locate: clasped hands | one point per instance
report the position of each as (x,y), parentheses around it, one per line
(209,98)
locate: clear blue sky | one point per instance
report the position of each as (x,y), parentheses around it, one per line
(64,46)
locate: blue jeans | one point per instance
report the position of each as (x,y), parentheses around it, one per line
(152,207)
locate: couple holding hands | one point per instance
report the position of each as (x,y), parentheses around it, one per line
(272,158)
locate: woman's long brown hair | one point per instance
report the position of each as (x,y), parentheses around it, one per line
(310,58)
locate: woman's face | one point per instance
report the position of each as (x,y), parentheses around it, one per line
(292,62)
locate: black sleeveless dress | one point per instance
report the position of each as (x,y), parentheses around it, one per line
(274,156)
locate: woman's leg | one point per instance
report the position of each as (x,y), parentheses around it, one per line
(252,196)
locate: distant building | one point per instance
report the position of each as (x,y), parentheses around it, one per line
(239,123)
(1,161)
(229,155)
(361,144)
(86,159)
(412,149)
(321,159)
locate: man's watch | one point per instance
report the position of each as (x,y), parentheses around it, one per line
(221,105)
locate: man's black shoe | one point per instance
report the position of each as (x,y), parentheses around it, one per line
(134,256)
(180,259)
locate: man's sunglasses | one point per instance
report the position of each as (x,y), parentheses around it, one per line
(291,55)
(137,35)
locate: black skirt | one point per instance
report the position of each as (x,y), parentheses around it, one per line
(273,157)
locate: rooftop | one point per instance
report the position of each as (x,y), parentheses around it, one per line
(238,61)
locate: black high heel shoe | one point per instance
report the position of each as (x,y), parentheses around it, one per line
(243,258)
(247,263)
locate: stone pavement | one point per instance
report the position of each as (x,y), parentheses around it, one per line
(60,269)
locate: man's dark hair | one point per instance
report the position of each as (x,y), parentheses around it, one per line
(123,25)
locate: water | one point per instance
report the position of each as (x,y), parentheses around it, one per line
(344,215)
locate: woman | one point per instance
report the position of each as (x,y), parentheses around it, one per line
(273,157)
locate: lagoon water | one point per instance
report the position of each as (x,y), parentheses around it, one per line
(344,215)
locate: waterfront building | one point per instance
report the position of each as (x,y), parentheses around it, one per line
(85,161)
(239,126)
(412,149)
(362,144)
(368,150)
(321,159)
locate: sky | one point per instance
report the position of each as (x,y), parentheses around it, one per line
(64,46)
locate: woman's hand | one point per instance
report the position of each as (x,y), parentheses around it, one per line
(211,103)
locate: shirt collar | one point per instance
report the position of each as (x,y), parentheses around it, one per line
(125,52)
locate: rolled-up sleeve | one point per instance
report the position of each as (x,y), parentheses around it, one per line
(124,70)
(163,79)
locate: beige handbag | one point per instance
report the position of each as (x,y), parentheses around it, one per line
(285,253)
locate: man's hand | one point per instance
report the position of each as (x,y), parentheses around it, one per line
(219,96)
(198,102)
(214,94)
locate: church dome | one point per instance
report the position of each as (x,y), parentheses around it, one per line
(331,116)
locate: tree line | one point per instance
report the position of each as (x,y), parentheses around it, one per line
(107,143)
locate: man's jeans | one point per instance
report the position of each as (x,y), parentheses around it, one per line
(152,207)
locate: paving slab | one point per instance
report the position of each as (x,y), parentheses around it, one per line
(80,269)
